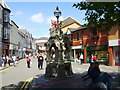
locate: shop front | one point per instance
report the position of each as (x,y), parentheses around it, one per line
(115,52)
(76,50)
(117,55)
(100,50)
(5,49)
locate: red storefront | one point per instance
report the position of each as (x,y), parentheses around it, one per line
(91,42)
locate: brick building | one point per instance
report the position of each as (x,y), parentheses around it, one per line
(114,45)
(88,41)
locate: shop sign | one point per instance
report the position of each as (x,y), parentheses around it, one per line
(119,42)
(97,47)
(114,42)
(76,47)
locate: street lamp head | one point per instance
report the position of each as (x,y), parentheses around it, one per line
(57,12)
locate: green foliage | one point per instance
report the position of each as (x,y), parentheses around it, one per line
(100,13)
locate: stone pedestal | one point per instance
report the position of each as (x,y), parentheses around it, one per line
(55,70)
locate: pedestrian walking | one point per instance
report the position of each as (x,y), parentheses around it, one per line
(94,58)
(40,61)
(76,58)
(14,60)
(28,61)
(81,58)
(3,60)
(9,60)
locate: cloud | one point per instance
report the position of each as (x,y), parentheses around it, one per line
(54,18)
(38,18)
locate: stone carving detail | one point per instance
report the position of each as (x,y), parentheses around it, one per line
(58,49)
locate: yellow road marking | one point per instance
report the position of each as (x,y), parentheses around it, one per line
(23,85)
(26,83)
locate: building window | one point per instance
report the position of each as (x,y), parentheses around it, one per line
(6,16)
(93,31)
(6,24)
(77,36)
(6,33)
(0,13)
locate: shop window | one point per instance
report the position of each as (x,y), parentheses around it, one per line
(77,36)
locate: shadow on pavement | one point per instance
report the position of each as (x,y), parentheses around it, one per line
(13,86)
(75,81)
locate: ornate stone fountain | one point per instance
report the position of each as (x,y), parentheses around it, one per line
(58,52)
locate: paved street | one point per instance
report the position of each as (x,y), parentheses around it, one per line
(19,74)
(75,31)
(75,81)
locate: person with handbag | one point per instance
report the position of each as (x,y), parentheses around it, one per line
(28,61)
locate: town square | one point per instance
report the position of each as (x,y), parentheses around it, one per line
(67,44)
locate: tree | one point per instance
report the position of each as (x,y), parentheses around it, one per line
(100,13)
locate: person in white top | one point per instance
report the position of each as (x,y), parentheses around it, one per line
(14,60)
(3,60)
(8,60)
(81,58)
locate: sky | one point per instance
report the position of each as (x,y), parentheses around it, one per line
(36,16)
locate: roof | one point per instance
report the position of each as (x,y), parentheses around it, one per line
(42,38)
(80,28)
(75,29)
(27,33)
(69,20)
(14,23)
(4,4)
(39,44)
(71,29)
(21,33)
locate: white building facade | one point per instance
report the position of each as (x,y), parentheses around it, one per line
(21,44)
(28,42)
(13,39)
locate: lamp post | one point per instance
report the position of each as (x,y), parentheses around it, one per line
(57,14)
